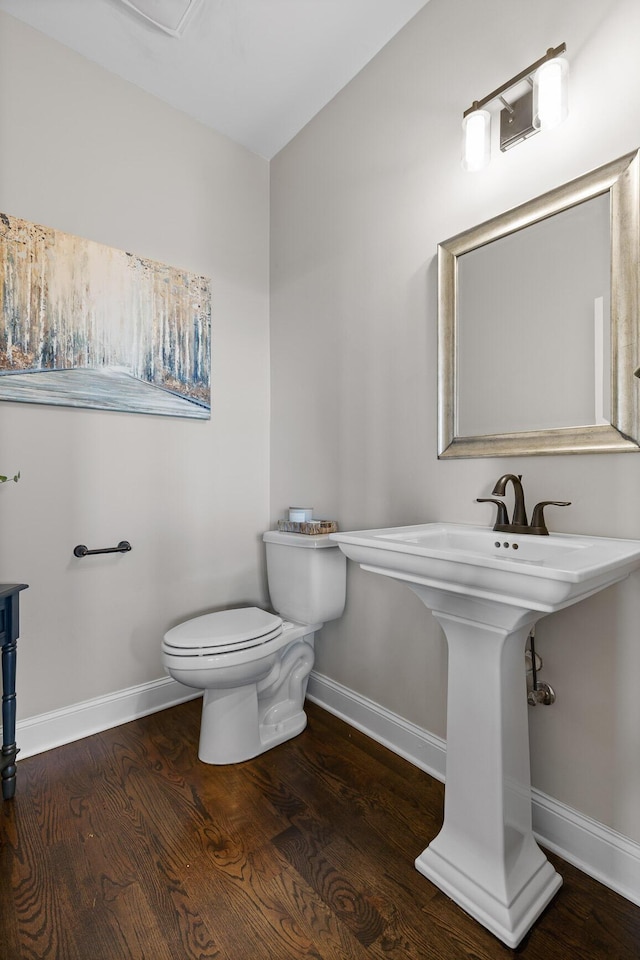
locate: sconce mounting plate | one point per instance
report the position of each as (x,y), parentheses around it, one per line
(516,123)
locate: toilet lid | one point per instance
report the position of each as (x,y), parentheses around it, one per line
(228,630)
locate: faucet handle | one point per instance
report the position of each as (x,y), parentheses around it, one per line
(502,517)
(537,520)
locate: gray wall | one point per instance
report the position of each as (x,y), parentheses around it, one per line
(359,201)
(87,153)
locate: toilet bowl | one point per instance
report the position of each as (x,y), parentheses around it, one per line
(252,665)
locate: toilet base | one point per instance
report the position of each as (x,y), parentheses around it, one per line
(239,723)
(230,731)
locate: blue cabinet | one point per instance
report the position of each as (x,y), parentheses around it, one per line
(9,632)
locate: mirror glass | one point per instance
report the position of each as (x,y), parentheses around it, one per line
(537,330)
(547,292)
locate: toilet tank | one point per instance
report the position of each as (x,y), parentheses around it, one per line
(307,576)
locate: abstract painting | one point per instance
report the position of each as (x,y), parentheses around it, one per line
(88,325)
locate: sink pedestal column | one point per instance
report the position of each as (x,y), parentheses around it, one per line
(485,857)
(487,598)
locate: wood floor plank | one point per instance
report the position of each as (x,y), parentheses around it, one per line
(263,907)
(344,899)
(123,846)
(330,938)
(360,811)
(375,790)
(35,865)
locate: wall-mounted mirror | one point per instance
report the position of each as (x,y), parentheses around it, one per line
(538,325)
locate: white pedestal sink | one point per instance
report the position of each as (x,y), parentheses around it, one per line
(487,589)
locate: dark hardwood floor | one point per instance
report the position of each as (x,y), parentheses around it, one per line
(123,845)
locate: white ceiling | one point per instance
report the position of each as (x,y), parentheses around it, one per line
(255,70)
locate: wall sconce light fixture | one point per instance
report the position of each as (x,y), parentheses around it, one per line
(539,101)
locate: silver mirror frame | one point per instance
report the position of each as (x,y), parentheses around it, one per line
(621,179)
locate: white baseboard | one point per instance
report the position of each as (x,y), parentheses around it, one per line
(598,851)
(590,846)
(57,727)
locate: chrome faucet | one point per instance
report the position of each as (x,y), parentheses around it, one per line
(519,523)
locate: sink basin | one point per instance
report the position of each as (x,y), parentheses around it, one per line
(487,590)
(540,573)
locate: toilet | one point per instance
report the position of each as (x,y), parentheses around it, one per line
(254,665)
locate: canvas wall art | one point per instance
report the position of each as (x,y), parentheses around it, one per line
(88,325)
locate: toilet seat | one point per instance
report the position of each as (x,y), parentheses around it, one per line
(223,632)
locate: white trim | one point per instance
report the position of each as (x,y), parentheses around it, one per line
(53,729)
(594,848)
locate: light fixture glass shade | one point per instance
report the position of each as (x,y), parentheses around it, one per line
(476,140)
(550,94)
